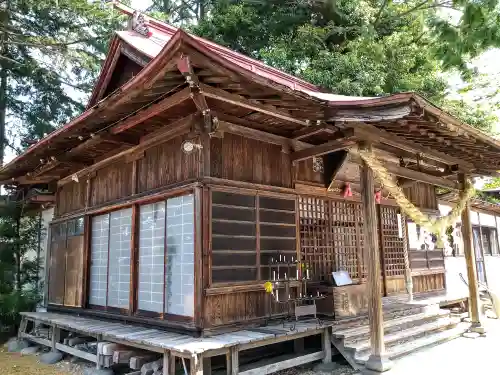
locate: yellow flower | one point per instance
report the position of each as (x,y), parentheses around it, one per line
(268,287)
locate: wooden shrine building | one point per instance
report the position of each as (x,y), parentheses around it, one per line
(194,167)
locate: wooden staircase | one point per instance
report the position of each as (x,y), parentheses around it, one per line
(405,331)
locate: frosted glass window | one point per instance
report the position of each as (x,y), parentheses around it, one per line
(151,257)
(99,260)
(120,229)
(179,276)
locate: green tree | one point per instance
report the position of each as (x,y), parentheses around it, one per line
(362,47)
(180,12)
(50,55)
(19,266)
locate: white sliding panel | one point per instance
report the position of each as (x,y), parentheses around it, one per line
(119,258)
(151,257)
(179,276)
(99,260)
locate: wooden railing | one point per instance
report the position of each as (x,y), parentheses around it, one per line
(426,260)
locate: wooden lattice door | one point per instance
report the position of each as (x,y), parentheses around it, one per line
(331,237)
(392,232)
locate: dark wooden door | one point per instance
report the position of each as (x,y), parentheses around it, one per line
(392,247)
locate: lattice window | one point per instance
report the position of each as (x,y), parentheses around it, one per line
(393,242)
(331,237)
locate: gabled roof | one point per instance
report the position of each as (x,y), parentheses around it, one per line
(406,115)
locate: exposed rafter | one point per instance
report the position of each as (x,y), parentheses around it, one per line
(152,111)
(176,128)
(218,94)
(371,133)
(314,129)
(343,139)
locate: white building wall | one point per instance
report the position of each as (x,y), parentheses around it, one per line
(47,216)
(456,265)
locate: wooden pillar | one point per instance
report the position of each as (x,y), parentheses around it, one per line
(235,361)
(56,336)
(207,366)
(470,261)
(406,248)
(166,363)
(196,365)
(327,345)
(377,360)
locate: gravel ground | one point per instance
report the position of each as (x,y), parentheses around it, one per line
(17,364)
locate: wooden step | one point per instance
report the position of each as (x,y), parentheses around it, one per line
(427,341)
(390,314)
(398,338)
(390,326)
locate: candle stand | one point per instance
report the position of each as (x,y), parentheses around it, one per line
(289,278)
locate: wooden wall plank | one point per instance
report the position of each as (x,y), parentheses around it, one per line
(71,197)
(166,164)
(112,182)
(250,160)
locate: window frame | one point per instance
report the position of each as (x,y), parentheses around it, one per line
(165,315)
(258,224)
(133,309)
(107,308)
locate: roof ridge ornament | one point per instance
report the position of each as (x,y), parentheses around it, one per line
(139,24)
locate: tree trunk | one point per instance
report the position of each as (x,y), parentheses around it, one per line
(202,9)
(18,252)
(3,81)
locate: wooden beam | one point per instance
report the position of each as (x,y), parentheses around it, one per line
(120,139)
(411,174)
(343,140)
(421,176)
(376,361)
(410,155)
(184,66)
(372,134)
(470,262)
(27,180)
(174,129)
(363,114)
(314,129)
(271,368)
(43,198)
(244,131)
(152,111)
(215,93)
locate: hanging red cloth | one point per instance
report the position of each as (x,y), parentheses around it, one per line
(378,196)
(347,190)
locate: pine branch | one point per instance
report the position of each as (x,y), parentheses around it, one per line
(58,44)
(2,57)
(379,14)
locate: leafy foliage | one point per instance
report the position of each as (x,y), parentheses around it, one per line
(180,12)
(19,266)
(362,47)
(50,57)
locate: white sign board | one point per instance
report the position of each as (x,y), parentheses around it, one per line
(341,278)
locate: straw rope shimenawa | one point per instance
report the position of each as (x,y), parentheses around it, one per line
(437,226)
